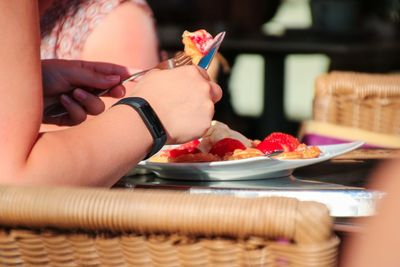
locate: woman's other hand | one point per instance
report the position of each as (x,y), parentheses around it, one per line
(70,82)
(183,99)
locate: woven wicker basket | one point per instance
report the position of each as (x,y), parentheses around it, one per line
(366,101)
(99,227)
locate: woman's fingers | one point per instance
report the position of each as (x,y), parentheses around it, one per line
(216,92)
(107,70)
(204,73)
(104,68)
(87,74)
(76,113)
(100,76)
(78,107)
(91,103)
(117,92)
(80,77)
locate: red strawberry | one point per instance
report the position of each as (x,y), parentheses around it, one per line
(191,144)
(268,147)
(278,141)
(288,142)
(186,148)
(226,145)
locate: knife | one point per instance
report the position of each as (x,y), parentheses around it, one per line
(205,61)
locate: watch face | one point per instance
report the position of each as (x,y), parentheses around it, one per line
(150,119)
(153,120)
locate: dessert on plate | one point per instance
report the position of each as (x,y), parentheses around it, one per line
(220,143)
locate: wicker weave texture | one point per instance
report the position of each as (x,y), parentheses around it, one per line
(366,101)
(95,227)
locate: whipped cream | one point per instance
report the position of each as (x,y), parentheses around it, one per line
(218,131)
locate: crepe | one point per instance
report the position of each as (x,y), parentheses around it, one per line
(220,138)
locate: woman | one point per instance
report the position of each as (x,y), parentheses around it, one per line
(96,152)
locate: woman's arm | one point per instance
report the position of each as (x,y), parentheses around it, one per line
(64,157)
(20,82)
(96,153)
(101,150)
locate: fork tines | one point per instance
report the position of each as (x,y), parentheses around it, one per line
(181,59)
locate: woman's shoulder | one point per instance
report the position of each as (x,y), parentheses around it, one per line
(66,25)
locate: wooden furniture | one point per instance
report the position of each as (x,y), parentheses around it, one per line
(119,227)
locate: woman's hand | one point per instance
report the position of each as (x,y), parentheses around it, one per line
(70,82)
(183,99)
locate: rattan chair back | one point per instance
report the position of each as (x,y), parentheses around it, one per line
(54,226)
(366,101)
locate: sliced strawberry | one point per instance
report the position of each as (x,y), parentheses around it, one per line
(278,141)
(268,147)
(186,148)
(226,145)
(176,152)
(191,144)
(287,141)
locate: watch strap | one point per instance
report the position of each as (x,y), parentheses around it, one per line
(150,119)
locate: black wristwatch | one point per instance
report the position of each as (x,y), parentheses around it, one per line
(150,119)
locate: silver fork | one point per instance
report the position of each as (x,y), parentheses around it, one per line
(180,59)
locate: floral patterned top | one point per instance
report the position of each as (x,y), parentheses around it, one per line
(66,25)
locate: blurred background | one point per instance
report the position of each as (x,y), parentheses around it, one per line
(277,48)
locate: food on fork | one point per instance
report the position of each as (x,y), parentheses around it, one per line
(220,143)
(196,44)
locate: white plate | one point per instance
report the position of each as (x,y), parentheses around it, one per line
(244,169)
